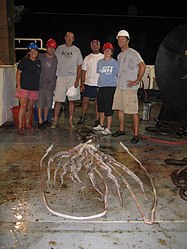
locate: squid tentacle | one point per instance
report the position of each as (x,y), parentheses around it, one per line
(87,156)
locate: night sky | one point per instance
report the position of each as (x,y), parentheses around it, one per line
(148,22)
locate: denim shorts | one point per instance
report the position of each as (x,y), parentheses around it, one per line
(90,91)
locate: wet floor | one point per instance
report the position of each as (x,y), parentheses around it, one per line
(42,207)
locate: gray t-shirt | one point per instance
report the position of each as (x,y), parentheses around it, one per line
(48,73)
(128,67)
(68,60)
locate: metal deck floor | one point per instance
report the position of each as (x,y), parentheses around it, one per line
(26,223)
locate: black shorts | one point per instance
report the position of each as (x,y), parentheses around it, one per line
(105,100)
(90,91)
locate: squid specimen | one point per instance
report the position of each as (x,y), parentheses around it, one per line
(87,156)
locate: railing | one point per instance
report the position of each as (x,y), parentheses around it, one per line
(23,40)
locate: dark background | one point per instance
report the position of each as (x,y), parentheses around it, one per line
(148,22)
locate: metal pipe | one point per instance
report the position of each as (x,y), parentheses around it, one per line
(28,39)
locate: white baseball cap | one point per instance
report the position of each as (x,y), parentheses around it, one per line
(72,91)
(95,41)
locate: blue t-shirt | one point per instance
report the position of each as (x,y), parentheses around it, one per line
(108,71)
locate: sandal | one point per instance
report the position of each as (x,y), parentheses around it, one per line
(118,133)
(135,139)
(41,126)
(20,131)
(29,127)
(47,123)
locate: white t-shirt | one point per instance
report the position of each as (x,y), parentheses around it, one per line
(128,67)
(90,66)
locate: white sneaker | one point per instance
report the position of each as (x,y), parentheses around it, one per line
(54,125)
(98,128)
(106,131)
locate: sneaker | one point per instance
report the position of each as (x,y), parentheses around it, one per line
(54,125)
(41,126)
(135,139)
(46,123)
(118,133)
(98,128)
(97,122)
(106,131)
(20,131)
(82,120)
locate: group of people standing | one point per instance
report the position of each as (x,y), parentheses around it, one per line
(112,83)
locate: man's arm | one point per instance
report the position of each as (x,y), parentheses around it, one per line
(140,74)
(78,77)
(83,77)
(141,71)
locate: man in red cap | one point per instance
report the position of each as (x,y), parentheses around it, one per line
(47,83)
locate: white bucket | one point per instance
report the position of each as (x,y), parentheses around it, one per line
(146,114)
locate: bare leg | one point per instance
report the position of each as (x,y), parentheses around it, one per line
(29,111)
(46,111)
(109,122)
(102,118)
(22,111)
(56,111)
(136,124)
(71,112)
(121,120)
(85,104)
(39,110)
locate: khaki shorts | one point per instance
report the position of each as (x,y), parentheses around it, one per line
(63,83)
(126,101)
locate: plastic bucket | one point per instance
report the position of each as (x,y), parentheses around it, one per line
(15,112)
(146,115)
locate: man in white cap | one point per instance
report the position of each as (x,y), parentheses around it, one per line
(131,71)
